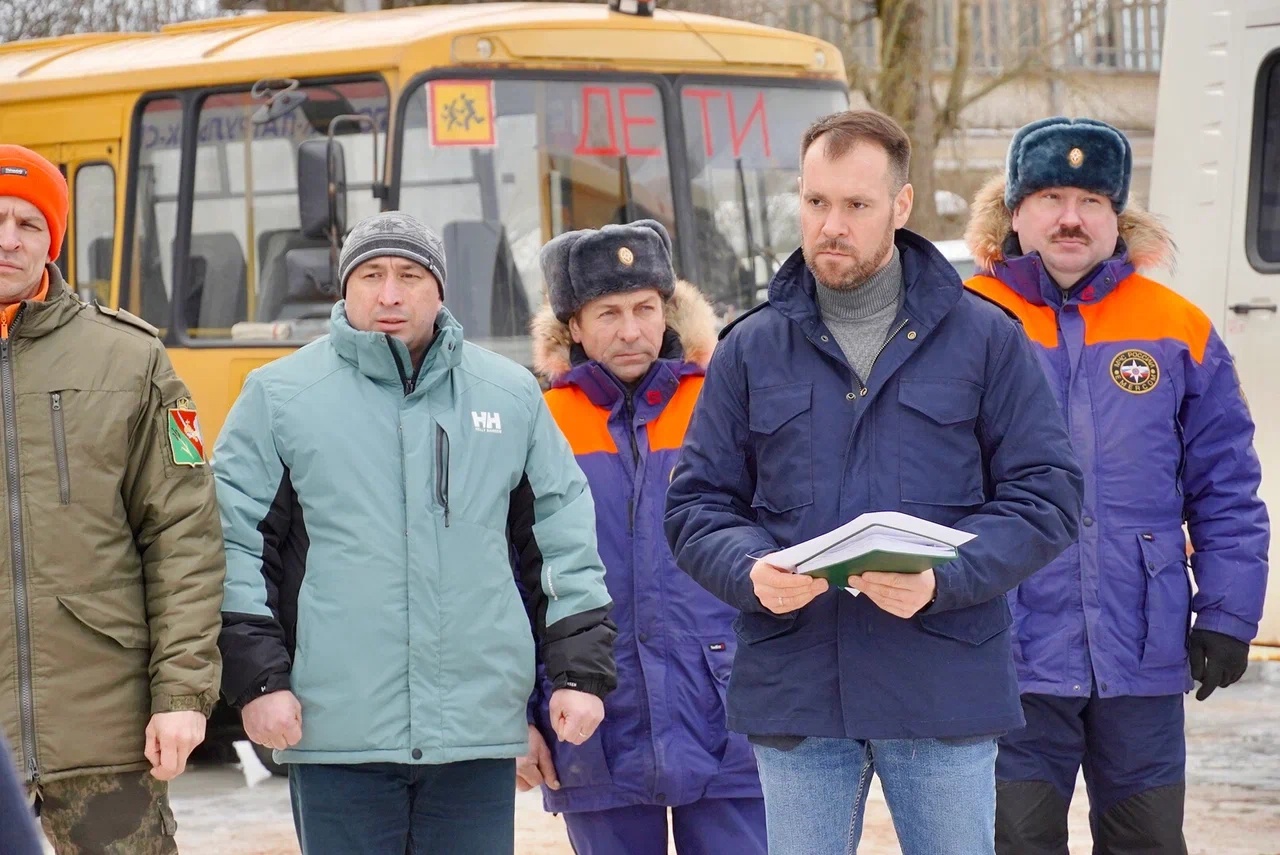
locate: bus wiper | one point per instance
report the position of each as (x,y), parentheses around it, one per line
(628,200)
(747,282)
(766,251)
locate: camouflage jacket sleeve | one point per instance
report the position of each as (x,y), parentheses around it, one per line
(169,498)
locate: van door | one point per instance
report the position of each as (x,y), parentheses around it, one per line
(1252,328)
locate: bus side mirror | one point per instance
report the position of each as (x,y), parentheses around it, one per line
(322,189)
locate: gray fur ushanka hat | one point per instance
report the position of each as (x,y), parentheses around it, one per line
(582,265)
(1062,152)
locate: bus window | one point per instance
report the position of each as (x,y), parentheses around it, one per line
(503,166)
(155,211)
(743,147)
(1264,204)
(95,229)
(245,216)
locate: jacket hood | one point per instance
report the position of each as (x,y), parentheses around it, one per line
(689,316)
(1149,243)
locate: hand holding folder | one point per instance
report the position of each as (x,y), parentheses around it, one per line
(885,541)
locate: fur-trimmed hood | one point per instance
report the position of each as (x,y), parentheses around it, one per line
(1148,240)
(689,315)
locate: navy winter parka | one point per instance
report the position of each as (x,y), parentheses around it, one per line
(955,424)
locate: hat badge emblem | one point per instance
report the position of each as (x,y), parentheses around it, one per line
(1075,157)
(626,256)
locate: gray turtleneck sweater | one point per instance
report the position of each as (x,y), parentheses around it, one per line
(860,317)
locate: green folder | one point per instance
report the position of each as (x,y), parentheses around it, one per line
(885,562)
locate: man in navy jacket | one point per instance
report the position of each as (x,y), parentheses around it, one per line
(872,381)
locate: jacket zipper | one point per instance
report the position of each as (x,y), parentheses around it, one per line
(885,344)
(442,471)
(26,700)
(630,412)
(409,383)
(1182,454)
(60,449)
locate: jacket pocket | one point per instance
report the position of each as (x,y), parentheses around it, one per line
(1168,605)
(60,448)
(940,462)
(582,765)
(118,614)
(781,425)
(974,625)
(442,471)
(755,627)
(734,751)
(719,659)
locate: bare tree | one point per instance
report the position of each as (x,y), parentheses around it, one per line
(912,74)
(28,19)
(343,6)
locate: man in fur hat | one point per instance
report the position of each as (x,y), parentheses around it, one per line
(623,346)
(1163,434)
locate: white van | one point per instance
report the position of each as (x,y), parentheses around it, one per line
(1215,179)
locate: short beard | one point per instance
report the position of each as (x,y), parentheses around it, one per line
(864,266)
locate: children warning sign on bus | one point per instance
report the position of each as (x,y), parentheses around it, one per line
(462,113)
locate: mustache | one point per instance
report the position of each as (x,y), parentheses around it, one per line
(1069,233)
(835,246)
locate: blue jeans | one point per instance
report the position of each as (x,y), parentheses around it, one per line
(465,808)
(941,794)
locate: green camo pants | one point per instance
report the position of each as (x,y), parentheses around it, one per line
(126,814)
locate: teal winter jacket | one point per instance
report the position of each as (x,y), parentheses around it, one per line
(372,521)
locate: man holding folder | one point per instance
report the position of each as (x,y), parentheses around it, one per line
(871,381)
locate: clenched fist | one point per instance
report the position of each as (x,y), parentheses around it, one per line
(273,720)
(171,737)
(575,715)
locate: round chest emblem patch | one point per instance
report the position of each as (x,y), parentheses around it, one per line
(1135,371)
(626,256)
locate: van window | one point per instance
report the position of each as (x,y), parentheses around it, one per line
(1264,190)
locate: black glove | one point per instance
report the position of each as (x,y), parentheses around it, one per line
(1217,660)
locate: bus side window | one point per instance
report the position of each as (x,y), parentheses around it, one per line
(95,229)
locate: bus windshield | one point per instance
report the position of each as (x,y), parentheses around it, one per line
(743,149)
(499,167)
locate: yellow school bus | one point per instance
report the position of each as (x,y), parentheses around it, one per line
(211,179)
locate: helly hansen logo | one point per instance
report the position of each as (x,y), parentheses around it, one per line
(486,422)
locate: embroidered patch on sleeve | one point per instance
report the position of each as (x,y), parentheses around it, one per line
(184,435)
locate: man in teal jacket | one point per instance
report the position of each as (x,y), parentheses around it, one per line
(375,488)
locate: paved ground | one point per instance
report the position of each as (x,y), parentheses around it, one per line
(1233,798)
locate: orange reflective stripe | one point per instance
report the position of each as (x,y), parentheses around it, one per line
(585,425)
(1140,309)
(1040,322)
(667,430)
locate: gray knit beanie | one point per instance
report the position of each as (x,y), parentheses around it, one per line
(392,233)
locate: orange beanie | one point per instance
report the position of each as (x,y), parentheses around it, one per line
(27,175)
